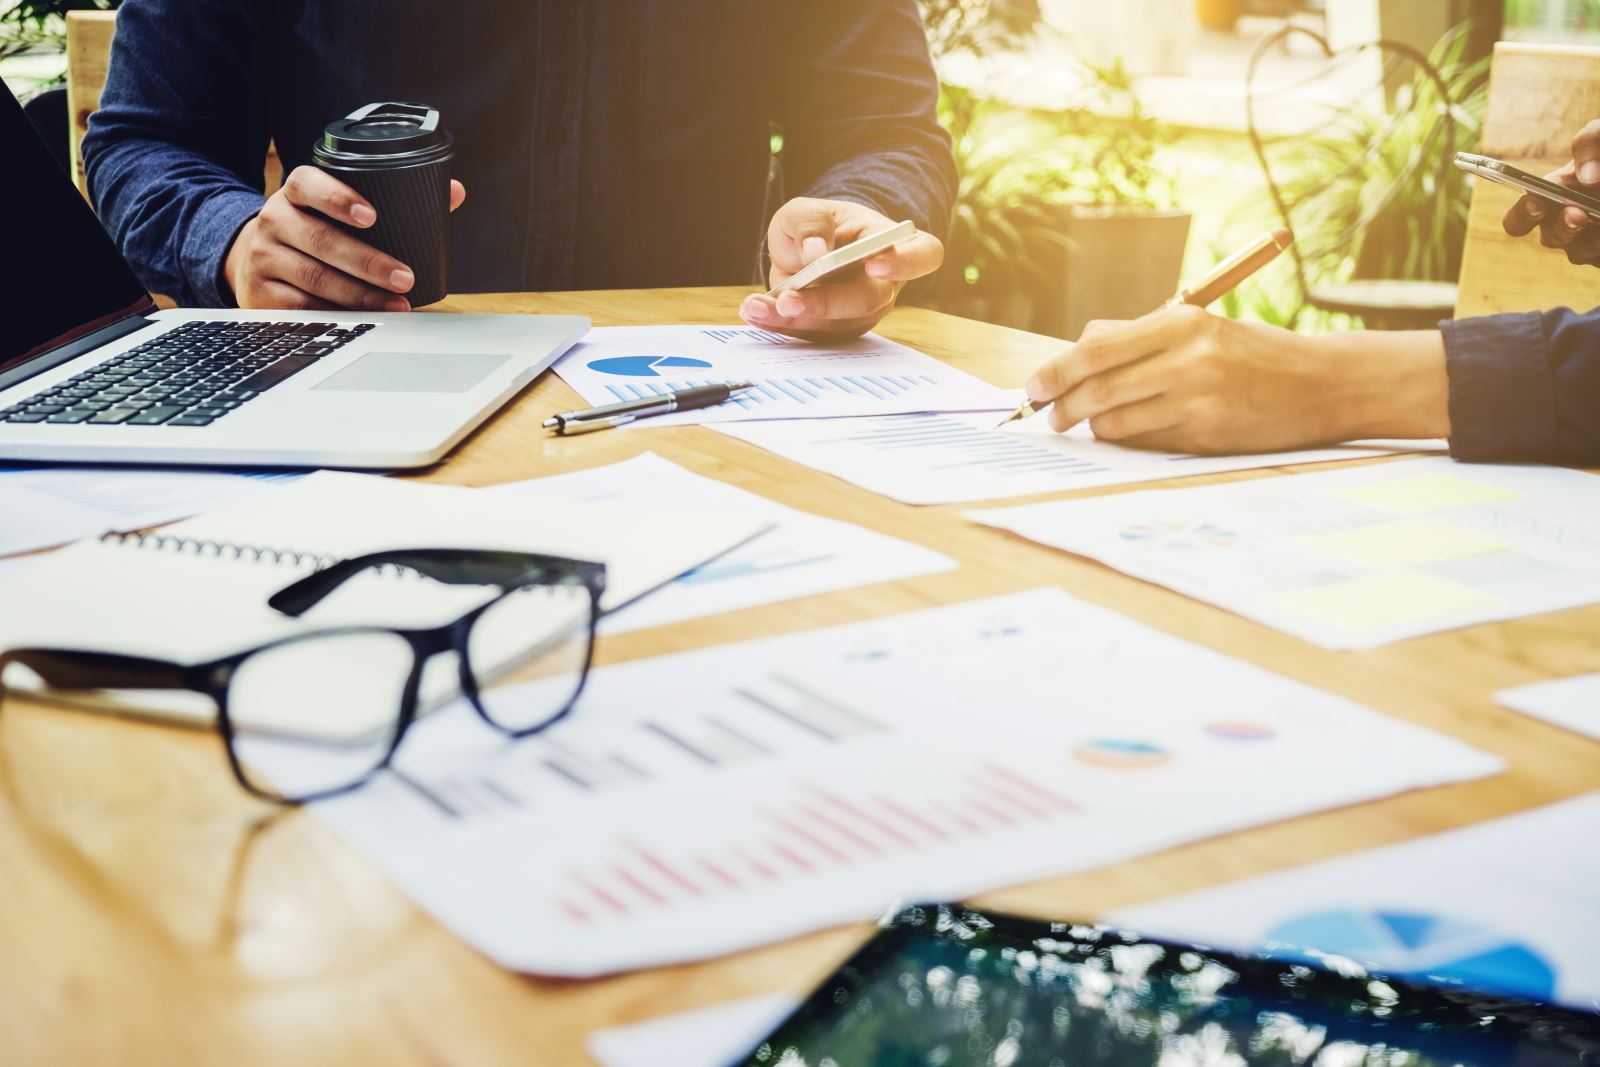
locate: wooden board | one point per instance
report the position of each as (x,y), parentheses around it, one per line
(1539,97)
(154,915)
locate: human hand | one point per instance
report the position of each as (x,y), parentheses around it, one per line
(1182,380)
(804,230)
(291,256)
(1567,228)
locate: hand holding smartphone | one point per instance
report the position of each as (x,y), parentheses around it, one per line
(1498,171)
(835,264)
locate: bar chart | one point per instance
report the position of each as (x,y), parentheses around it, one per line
(814,829)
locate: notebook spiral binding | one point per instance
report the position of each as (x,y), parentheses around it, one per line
(274,557)
(277,557)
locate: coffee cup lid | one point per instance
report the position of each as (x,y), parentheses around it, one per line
(384,129)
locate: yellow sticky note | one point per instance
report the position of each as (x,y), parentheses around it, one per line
(1380,600)
(1406,544)
(1431,492)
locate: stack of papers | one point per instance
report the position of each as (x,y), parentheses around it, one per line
(793,379)
(715,800)
(1352,558)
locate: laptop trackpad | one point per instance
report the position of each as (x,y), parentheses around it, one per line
(415,372)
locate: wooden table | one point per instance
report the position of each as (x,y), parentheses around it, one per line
(151,914)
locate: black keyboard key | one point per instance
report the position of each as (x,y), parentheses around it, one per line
(155,416)
(112,417)
(313,329)
(70,416)
(261,381)
(47,408)
(27,416)
(191,420)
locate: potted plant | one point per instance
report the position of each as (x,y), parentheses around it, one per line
(1123,240)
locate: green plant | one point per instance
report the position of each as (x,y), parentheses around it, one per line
(37,11)
(977,26)
(1020,168)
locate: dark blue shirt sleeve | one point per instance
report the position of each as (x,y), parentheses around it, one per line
(1525,387)
(860,111)
(174,155)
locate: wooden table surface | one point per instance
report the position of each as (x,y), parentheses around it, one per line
(150,913)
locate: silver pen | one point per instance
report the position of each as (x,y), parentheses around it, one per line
(587,420)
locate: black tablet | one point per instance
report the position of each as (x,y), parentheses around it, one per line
(947,986)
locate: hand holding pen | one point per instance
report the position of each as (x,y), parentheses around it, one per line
(1182,380)
(1217,283)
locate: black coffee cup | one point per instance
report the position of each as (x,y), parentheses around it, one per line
(397,157)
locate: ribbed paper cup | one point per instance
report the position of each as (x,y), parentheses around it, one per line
(396,156)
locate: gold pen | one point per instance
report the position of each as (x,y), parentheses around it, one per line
(1217,283)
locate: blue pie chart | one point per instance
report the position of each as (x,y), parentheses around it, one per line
(643,366)
(1415,945)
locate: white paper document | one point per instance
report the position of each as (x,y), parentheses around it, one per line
(1510,906)
(710,1037)
(801,554)
(955,459)
(1351,558)
(793,379)
(707,802)
(1573,703)
(47,506)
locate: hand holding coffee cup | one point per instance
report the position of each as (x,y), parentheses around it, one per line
(317,244)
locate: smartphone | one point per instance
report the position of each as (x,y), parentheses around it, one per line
(1506,174)
(950,985)
(850,257)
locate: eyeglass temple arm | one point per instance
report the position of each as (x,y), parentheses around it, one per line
(451,566)
(62,669)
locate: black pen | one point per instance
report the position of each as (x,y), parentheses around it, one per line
(611,415)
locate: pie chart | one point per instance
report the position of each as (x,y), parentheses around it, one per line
(1120,754)
(644,366)
(1433,948)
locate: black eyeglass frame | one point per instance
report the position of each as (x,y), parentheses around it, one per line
(74,669)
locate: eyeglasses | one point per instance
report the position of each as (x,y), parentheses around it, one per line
(319,713)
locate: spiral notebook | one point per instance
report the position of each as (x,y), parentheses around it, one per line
(197,590)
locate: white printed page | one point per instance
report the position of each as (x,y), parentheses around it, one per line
(1571,703)
(1351,558)
(793,379)
(957,459)
(707,802)
(1510,906)
(801,554)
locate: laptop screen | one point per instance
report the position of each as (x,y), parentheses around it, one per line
(61,275)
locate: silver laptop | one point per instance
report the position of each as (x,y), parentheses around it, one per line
(91,371)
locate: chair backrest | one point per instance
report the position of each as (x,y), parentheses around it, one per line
(1376,131)
(1539,96)
(89,35)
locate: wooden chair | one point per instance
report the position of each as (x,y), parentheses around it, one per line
(1539,96)
(89,36)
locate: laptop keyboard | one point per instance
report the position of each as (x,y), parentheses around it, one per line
(190,376)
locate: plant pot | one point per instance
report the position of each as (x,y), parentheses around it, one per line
(1218,14)
(1119,263)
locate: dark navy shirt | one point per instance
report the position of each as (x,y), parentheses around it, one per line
(1525,387)
(603,143)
